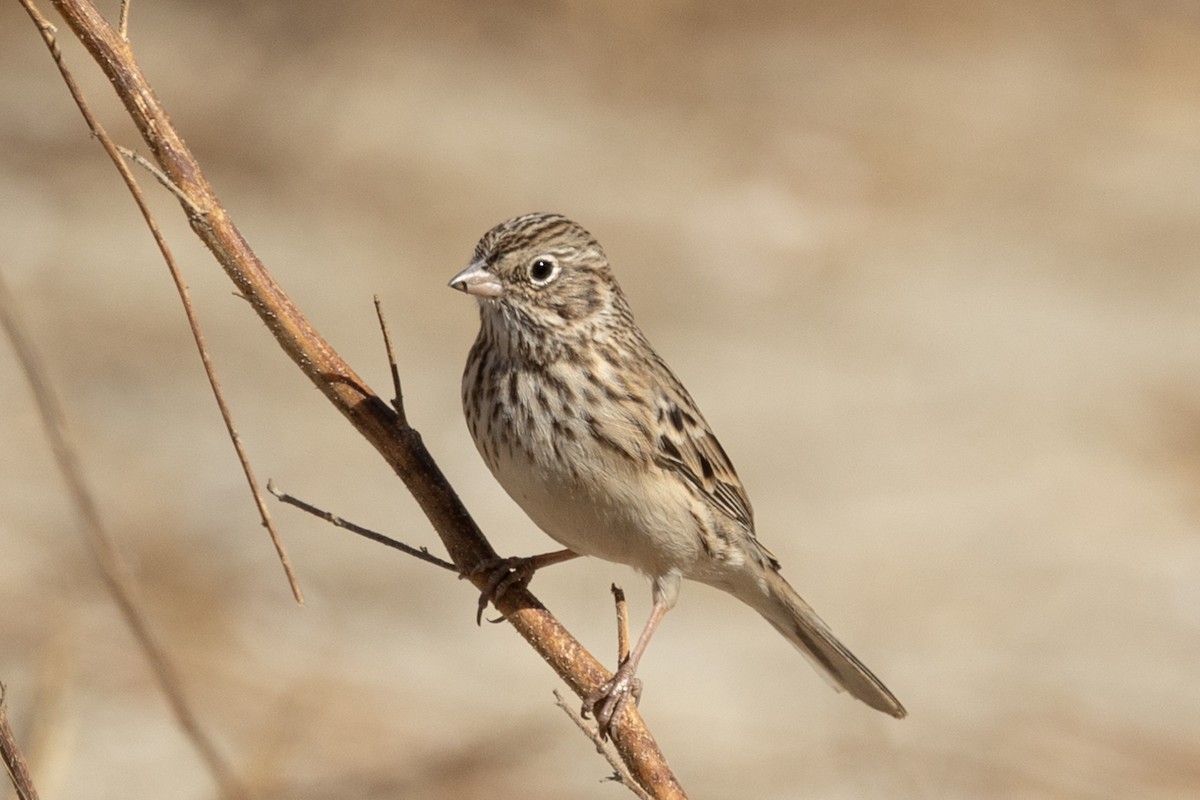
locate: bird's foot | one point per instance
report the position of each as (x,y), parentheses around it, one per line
(502,575)
(608,702)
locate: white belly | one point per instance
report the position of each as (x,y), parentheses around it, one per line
(606,510)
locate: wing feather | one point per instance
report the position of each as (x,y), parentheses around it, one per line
(687,447)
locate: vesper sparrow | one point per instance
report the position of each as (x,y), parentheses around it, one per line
(586,427)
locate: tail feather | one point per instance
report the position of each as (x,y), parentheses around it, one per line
(787,612)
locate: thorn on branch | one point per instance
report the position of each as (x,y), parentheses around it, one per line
(398,397)
(162,178)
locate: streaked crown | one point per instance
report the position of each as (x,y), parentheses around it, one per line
(545,266)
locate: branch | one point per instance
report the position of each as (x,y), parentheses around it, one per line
(189,310)
(333,519)
(10,754)
(400,446)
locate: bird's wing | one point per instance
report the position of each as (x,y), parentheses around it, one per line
(687,447)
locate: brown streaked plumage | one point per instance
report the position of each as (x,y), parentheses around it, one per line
(586,427)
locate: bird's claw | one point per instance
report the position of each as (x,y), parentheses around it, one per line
(502,575)
(608,702)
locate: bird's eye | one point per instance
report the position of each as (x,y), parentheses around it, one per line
(543,270)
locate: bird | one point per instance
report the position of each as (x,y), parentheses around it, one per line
(586,427)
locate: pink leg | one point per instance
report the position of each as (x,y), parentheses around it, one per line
(609,701)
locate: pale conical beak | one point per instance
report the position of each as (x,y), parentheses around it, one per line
(476,280)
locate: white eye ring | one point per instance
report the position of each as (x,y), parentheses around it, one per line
(543,269)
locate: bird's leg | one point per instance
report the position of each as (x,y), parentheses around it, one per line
(505,573)
(610,699)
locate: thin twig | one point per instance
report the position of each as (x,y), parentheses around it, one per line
(114,571)
(115,153)
(603,747)
(159,176)
(416,552)
(201,347)
(123,28)
(622,624)
(10,754)
(398,397)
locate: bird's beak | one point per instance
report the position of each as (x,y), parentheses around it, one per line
(476,280)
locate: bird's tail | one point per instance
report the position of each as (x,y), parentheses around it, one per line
(787,612)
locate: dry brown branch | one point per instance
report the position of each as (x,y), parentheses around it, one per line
(339,522)
(113,569)
(401,446)
(198,336)
(10,754)
(115,153)
(622,623)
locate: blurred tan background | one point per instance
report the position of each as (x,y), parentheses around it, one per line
(929,268)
